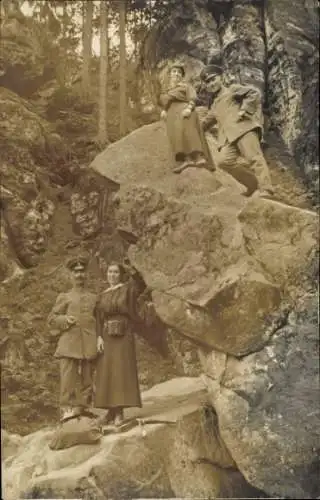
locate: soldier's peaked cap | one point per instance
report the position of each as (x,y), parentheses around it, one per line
(78,263)
(209,71)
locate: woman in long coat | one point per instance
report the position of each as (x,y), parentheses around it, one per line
(185,134)
(116,311)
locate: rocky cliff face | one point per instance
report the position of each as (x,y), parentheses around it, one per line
(233,280)
(272,45)
(22,67)
(293,85)
(270,394)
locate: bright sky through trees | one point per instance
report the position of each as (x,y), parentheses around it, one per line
(114,38)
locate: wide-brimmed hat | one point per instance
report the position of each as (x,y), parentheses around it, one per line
(179,66)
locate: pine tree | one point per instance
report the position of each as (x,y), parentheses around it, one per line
(87,46)
(122,68)
(103,77)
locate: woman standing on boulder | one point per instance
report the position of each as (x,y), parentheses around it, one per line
(116,313)
(186,137)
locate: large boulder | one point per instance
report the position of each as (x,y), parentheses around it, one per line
(23,67)
(175,452)
(207,252)
(23,133)
(225,271)
(268,227)
(268,406)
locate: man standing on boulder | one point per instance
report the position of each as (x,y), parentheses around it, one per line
(73,320)
(237,112)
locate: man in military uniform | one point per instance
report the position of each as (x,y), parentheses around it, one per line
(237,113)
(72,318)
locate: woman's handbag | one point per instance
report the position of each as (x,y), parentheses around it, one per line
(117,327)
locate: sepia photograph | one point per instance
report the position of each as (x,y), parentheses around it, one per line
(159,266)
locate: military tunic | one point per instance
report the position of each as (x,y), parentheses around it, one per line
(77,348)
(117,378)
(240,136)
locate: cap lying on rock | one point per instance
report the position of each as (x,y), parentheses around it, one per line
(77,263)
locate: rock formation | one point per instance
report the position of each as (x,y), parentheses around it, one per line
(226,271)
(188,447)
(272,45)
(272,397)
(22,67)
(176,451)
(26,208)
(233,279)
(213,258)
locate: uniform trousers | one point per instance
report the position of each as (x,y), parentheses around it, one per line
(257,175)
(76,382)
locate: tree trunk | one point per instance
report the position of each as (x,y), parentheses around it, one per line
(4,8)
(64,19)
(134,37)
(87,46)
(103,81)
(122,71)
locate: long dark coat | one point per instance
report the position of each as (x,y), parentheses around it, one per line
(185,134)
(116,376)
